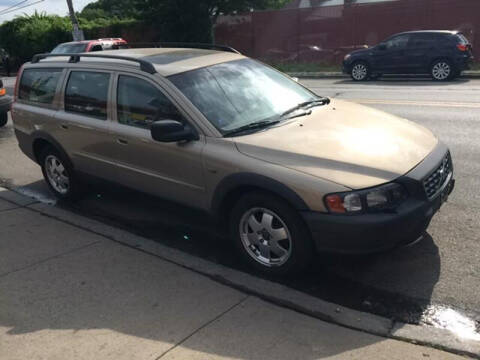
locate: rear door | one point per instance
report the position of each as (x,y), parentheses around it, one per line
(421,48)
(84,121)
(393,58)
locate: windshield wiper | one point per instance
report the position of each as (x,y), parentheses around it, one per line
(251,126)
(311,103)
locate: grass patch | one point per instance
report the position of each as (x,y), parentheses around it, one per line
(475,66)
(305,67)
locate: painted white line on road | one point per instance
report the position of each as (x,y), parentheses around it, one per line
(417,103)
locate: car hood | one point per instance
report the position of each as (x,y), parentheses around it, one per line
(361,52)
(343,142)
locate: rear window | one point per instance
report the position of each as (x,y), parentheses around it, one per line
(70,49)
(461,39)
(39,85)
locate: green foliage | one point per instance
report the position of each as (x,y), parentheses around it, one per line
(27,35)
(193,20)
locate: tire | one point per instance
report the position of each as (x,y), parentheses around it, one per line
(270,235)
(442,70)
(3,119)
(360,71)
(59,174)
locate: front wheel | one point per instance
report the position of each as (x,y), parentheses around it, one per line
(3,119)
(270,235)
(360,71)
(442,70)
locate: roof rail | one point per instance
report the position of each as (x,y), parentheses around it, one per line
(184,45)
(75,58)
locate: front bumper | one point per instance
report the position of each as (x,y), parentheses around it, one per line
(374,232)
(5,103)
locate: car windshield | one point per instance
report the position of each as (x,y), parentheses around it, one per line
(69,49)
(237,93)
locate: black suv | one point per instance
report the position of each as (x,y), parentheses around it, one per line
(442,54)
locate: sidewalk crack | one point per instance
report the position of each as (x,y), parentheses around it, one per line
(204,326)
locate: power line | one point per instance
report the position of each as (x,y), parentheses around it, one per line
(21,7)
(13,6)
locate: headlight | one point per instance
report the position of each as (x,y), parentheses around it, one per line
(370,200)
(347,57)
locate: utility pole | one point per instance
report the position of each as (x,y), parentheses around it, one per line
(77,32)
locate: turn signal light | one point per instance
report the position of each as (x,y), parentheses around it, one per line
(335,203)
(3,92)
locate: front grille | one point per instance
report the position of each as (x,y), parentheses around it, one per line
(434,182)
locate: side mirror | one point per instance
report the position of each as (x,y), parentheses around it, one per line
(171,131)
(382,46)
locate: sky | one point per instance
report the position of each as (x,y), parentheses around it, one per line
(58,7)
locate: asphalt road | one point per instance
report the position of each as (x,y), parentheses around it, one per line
(414,284)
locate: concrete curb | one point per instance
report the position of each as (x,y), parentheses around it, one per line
(338,75)
(264,289)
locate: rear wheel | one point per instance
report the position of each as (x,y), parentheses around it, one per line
(442,70)
(3,119)
(360,71)
(59,174)
(269,235)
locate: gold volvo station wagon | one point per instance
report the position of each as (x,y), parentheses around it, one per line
(284,171)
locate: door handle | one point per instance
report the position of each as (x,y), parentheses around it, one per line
(122,141)
(64,127)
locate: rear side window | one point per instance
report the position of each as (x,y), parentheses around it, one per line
(422,40)
(39,85)
(87,93)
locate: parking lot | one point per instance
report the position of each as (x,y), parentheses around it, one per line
(442,270)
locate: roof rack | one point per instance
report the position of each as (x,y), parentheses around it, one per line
(75,58)
(183,45)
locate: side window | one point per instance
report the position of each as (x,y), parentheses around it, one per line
(96,48)
(39,85)
(398,42)
(87,93)
(139,103)
(422,41)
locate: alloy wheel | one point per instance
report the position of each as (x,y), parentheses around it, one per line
(265,237)
(359,71)
(441,70)
(57,175)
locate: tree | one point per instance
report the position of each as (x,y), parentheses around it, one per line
(179,20)
(193,20)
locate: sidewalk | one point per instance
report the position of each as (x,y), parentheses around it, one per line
(71,293)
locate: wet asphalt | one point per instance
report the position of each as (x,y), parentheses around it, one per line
(415,284)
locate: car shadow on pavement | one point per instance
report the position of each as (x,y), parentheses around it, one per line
(396,284)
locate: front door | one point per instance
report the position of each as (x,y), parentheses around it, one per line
(392,56)
(170,170)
